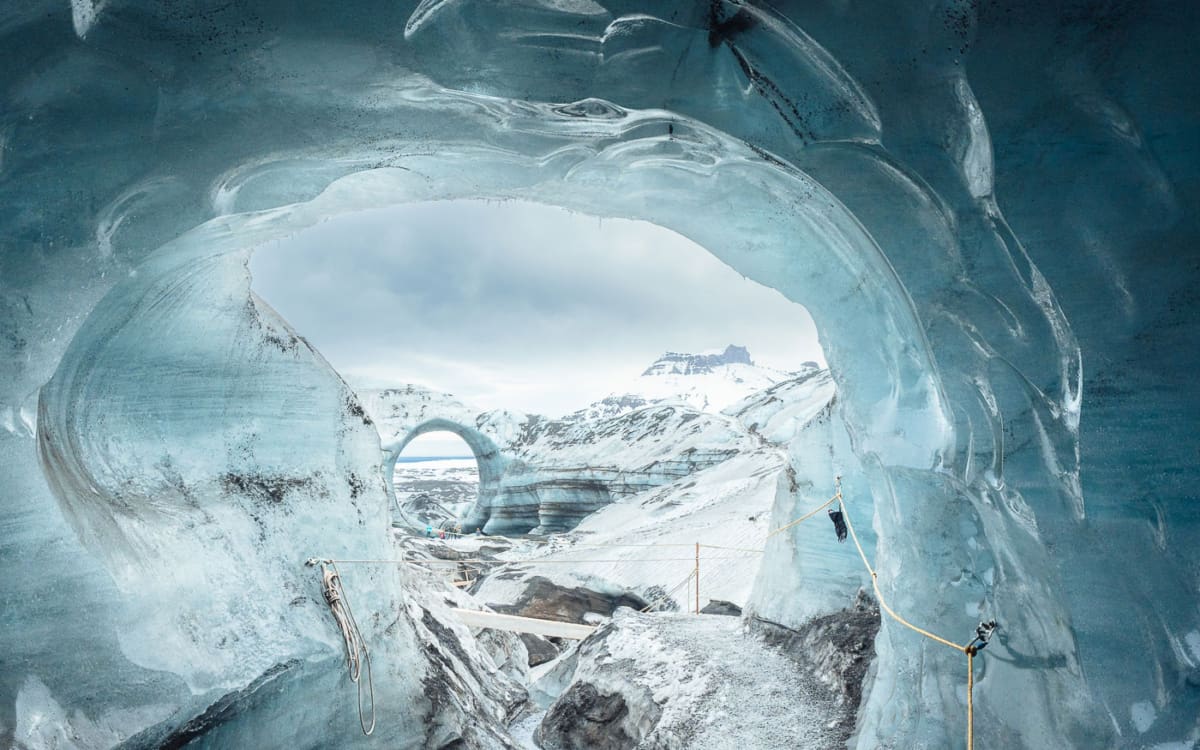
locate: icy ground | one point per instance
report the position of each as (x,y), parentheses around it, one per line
(702,683)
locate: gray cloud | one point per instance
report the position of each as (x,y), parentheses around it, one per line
(516,305)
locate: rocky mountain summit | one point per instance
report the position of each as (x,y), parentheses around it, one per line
(677,363)
(708,381)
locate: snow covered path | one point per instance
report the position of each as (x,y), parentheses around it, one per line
(697,682)
(757,696)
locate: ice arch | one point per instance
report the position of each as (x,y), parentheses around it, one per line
(768,114)
(637,167)
(487,454)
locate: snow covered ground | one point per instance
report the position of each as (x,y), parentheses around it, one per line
(647,542)
(683,681)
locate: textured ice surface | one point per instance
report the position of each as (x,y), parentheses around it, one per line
(989,210)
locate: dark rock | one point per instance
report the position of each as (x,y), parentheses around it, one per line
(660,599)
(836,649)
(721,607)
(678,363)
(546,600)
(585,719)
(540,649)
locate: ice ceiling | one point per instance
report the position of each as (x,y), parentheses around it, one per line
(988,208)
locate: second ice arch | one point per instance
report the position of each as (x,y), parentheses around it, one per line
(488,456)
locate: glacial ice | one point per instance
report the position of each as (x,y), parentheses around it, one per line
(544,475)
(989,210)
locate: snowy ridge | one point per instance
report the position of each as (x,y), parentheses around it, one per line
(709,381)
(727,504)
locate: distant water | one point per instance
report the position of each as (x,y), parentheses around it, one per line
(423,459)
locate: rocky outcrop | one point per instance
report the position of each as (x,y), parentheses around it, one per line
(835,650)
(517,592)
(586,719)
(539,650)
(678,363)
(721,607)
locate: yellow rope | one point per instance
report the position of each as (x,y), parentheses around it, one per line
(969,650)
(883,603)
(970,706)
(837,496)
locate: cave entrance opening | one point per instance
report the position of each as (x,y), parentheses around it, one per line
(527,313)
(435,479)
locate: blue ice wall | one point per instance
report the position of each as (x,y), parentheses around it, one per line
(989,209)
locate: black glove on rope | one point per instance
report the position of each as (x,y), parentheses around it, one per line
(839,523)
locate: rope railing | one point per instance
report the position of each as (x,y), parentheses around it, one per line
(970,650)
(981,637)
(481,566)
(836,498)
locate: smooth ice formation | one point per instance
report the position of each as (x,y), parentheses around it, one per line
(988,209)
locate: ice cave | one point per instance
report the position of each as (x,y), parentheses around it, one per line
(989,209)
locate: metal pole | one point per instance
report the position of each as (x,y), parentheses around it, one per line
(697,577)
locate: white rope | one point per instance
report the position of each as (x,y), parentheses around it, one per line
(356,648)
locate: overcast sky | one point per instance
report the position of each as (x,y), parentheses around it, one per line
(516,305)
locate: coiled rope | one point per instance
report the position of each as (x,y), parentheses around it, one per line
(357,654)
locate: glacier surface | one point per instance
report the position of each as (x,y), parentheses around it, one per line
(988,209)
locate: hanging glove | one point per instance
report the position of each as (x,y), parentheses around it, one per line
(839,523)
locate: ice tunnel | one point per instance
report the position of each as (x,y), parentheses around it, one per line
(988,208)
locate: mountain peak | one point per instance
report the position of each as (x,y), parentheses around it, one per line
(679,363)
